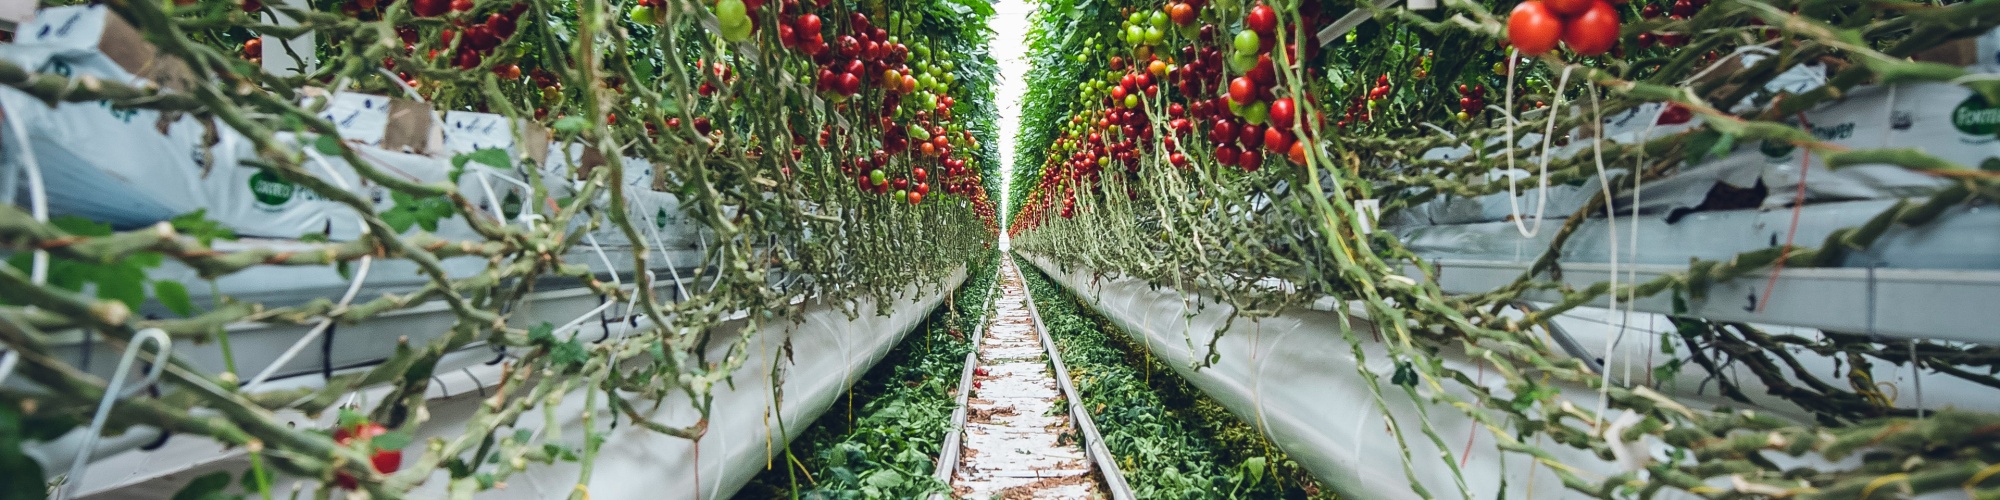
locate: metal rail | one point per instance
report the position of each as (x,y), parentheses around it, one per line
(1114,479)
(949,451)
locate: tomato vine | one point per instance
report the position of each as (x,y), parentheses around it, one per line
(1157,157)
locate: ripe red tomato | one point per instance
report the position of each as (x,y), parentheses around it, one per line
(1242,90)
(1278,140)
(1569,8)
(1262,19)
(1182,13)
(1250,160)
(384,461)
(1594,32)
(1675,115)
(1298,153)
(1222,131)
(1533,29)
(1227,154)
(1252,136)
(807,23)
(1282,112)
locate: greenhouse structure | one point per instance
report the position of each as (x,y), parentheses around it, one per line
(1011,249)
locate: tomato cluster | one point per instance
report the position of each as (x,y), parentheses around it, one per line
(1218,95)
(383,460)
(1471,101)
(1587,27)
(1677,10)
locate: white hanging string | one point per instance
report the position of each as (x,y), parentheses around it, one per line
(353,287)
(114,390)
(1513,191)
(1611,220)
(672,269)
(38,197)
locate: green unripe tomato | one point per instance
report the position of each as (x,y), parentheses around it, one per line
(1159,19)
(1256,112)
(1241,62)
(876,176)
(1131,100)
(1154,35)
(1247,42)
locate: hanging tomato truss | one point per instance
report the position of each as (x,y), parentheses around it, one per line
(1462,174)
(786,153)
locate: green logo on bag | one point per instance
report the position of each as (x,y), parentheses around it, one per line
(1975,117)
(271,191)
(660,219)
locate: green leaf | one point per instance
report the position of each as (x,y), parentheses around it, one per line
(543,332)
(1254,467)
(20,476)
(207,487)
(399,220)
(394,440)
(249,481)
(570,124)
(174,295)
(123,283)
(492,157)
(327,145)
(80,226)
(349,418)
(197,225)
(884,479)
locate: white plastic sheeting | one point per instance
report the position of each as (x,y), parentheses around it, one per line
(829,352)
(1293,377)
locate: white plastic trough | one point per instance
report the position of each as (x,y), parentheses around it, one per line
(830,351)
(1293,377)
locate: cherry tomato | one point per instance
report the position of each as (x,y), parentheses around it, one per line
(1594,32)
(1250,160)
(1282,112)
(1227,155)
(384,461)
(1242,90)
(1262,19)
(1278,141)
(1532,29)
(1182,13)
(1298,153)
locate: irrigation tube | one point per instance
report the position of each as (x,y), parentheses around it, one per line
(949,451)
(1114,479)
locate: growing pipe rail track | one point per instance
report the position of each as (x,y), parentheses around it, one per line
(1008,437)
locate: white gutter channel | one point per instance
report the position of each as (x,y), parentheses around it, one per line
(1292,376)
(830,352)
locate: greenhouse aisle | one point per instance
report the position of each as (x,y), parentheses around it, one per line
(1019,443)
